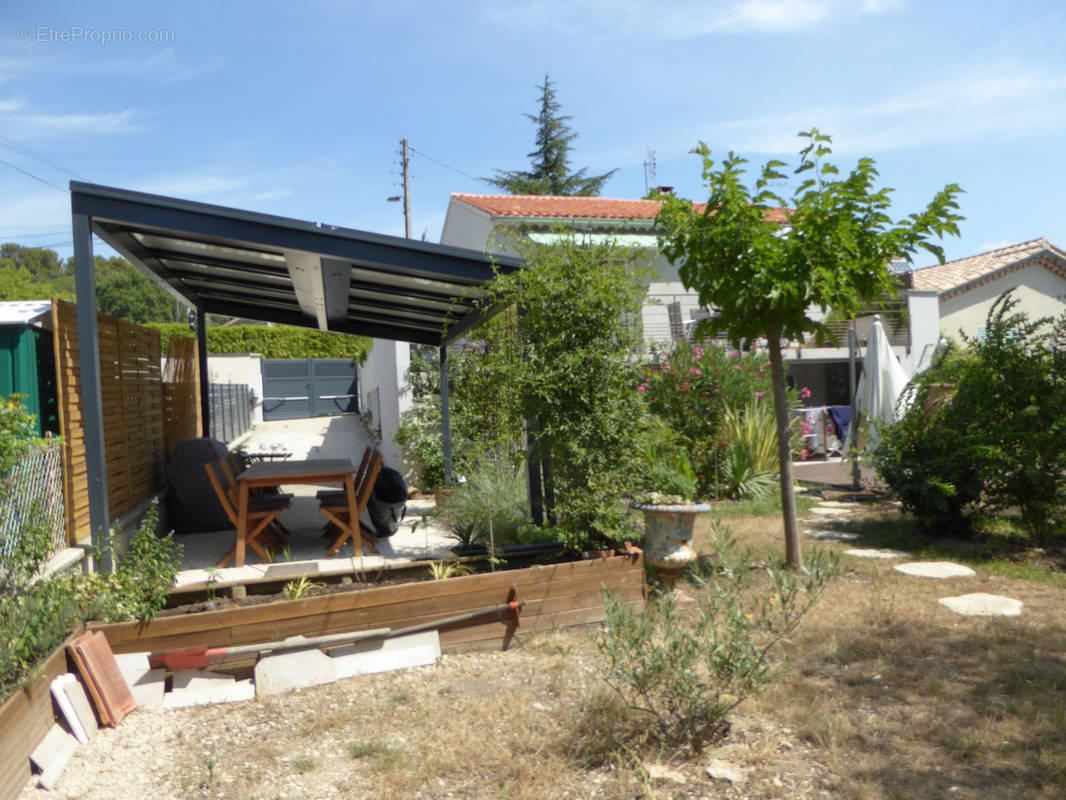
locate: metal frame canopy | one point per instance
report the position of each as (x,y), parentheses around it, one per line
(257,266)
(262,267)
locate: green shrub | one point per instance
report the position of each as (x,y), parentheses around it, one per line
(273,341)
(18,432)
(684,671)
(985,429)
(692,388)
(491,493)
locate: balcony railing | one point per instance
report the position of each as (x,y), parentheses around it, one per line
(668,318)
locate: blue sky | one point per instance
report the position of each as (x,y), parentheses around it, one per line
(298,108)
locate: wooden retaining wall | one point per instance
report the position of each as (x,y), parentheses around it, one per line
(132,398)
(25,718)
(557,595)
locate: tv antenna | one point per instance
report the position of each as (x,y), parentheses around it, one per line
(649,171)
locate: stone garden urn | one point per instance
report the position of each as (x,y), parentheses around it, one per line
(668,536)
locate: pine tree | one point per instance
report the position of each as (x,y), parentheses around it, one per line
(550,162)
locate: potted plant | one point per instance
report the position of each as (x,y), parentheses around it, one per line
(670,515)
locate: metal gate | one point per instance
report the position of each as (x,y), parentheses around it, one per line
(309,387)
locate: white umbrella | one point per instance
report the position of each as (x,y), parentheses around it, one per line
(882,381)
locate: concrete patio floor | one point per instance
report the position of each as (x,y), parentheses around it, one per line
(320,437)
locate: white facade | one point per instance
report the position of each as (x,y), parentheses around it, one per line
(244,369)
(1040,293)
(385,395)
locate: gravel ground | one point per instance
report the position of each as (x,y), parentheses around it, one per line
(477,725)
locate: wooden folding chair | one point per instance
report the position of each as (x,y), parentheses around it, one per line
(333,496)
(260,514)
(229,472)
(337,511)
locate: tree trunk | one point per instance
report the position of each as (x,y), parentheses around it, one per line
(784,451)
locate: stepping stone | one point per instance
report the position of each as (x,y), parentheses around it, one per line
(52,755)
(383,655)
(935,569)
(980,604)
(717,769)
(832,536)
(832,511)
(275,674)
(883,552)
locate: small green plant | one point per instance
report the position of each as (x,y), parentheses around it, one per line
(297,590)
(213,577)
(304,764)
(442,570)
(684,672)
(385,754)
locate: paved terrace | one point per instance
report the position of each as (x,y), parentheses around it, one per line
(320,437)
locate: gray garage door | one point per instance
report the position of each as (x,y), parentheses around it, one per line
(309,387)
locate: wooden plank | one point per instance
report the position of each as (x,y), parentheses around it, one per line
(394,606)
(25,719)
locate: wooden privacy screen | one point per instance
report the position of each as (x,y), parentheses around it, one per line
(181,392)
(132,400)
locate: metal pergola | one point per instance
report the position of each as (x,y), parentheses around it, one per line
(261,267)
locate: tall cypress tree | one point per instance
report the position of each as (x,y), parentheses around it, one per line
(550,162)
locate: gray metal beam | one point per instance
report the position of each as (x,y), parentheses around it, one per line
(445,416)
(205,387)
(92,413)
(305,269)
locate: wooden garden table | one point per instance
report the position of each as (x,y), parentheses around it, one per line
(286,473)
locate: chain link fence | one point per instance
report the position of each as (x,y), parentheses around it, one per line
(33,494)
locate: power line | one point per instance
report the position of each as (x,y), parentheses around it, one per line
(31,175)
(21,148)
(448,166)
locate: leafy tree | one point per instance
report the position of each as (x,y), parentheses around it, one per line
(762,276)
(576,379)
(550,163)
(123,291)
(42,263)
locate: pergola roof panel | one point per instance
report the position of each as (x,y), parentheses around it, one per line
(257,266)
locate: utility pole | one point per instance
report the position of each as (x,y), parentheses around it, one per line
(406,190)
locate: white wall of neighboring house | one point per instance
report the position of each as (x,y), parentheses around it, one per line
(1041,294)
(923,309)
(386,394)
(466,226)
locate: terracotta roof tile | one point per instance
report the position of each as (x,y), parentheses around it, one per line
(551,206)
(953,274)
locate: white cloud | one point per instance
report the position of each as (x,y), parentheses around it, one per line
(678,19)
(997,102)
(191,186)
(106,122)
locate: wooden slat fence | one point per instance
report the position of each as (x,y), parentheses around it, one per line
(132,399)
(181,392)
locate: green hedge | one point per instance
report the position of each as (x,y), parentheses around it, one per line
(280,341)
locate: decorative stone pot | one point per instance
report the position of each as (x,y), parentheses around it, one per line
(668,536)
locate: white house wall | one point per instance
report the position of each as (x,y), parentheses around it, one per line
(243,369)
(465,226)
(1041,293)
(386,394)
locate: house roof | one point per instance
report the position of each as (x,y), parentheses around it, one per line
(539,206)
(257,266)
(955,277)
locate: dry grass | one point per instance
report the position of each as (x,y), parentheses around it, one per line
(886,695)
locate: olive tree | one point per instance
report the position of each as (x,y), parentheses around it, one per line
(764,261)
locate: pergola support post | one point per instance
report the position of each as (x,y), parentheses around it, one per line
(445,415)
(205,387)
(91,399)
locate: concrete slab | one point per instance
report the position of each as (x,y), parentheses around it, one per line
(276,674)
(823,534)
(74,705)
(980,604)
(194,687)
(883,552)
(52,755)
(935,569)
(833,511)
(147,685)
(382,655)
